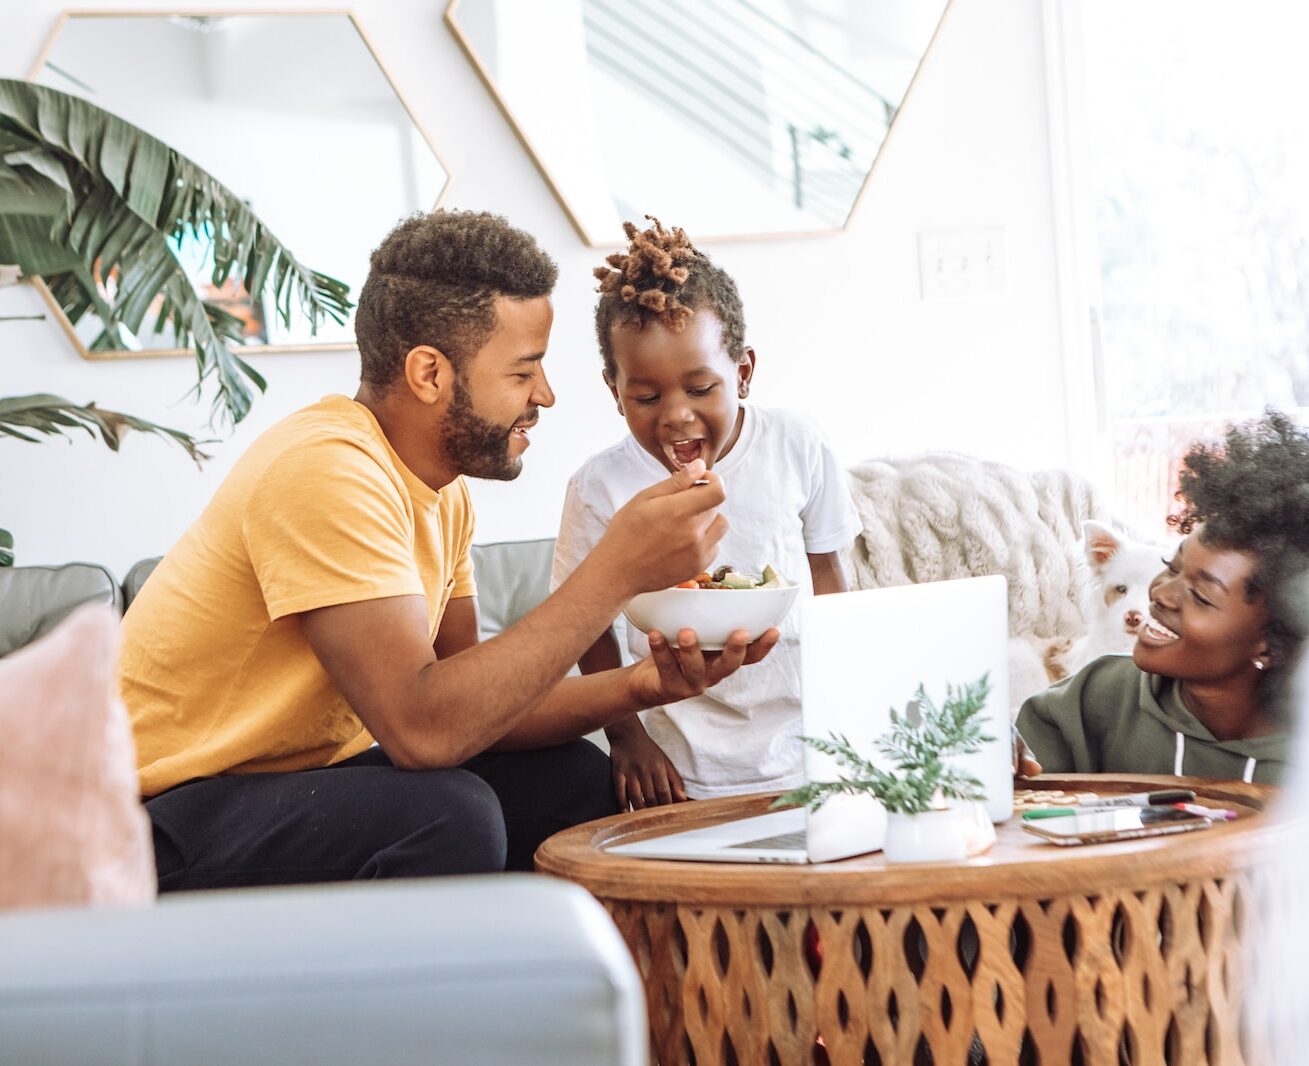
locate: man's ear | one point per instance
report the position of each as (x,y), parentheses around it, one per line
(429,374)
(613,388)
(744,373)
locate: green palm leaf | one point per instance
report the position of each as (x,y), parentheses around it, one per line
(47,415)
(84,193)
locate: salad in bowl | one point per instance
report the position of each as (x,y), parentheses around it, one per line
(715,605)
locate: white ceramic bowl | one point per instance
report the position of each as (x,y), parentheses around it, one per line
(714,614)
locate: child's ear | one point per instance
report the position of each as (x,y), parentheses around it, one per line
(1099,542)
(744,373)
(613,388)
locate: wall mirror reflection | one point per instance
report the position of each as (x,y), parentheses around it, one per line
(292,111)
(725,117)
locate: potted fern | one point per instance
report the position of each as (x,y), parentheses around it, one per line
(933,808)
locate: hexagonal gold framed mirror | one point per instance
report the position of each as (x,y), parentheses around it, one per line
(730,118)
(292,110)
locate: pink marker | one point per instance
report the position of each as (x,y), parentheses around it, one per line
(1214,814)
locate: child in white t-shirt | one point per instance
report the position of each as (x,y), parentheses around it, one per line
(672,334)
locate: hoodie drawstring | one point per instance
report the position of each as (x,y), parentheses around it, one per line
(1247,775)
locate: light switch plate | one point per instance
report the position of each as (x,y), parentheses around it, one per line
(968,262)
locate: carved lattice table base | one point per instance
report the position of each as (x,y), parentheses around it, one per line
(1126,953)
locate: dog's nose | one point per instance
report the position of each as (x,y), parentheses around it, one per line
(1133,619)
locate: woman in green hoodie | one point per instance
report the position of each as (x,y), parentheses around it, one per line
(1201,694)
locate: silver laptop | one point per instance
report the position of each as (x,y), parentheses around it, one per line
(862,653)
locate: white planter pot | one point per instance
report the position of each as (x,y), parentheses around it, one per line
(934,836)
(979,830)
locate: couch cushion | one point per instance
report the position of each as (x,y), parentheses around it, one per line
(507,968)
(35,599)
(512,578)
(73,830)
(136,578)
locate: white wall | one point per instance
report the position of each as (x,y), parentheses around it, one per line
(837,321)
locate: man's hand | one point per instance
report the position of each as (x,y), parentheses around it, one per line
(672,673)
(643,775)
(664,534)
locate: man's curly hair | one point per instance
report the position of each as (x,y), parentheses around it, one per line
(434,279)
(1251,493)
(663,278)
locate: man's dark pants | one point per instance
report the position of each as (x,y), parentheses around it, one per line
(364,818)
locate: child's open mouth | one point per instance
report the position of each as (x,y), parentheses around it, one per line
(682,452)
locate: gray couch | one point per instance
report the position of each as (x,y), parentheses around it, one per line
(509,969)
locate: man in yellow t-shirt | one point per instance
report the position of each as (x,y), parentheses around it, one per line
(308,695)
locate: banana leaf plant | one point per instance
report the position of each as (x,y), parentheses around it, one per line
(23,416)
(85,195)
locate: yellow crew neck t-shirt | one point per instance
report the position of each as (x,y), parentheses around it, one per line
(215,670)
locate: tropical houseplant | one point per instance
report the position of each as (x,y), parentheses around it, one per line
(922,792)
(86,198)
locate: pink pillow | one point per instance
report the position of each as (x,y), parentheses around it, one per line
(72,828)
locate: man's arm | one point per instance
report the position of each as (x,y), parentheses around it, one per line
(431,712)
(459,629)
(673,671)
(571,709)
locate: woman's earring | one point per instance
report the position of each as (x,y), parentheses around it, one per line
(1259,664)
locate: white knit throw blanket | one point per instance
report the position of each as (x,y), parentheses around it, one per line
(942,515)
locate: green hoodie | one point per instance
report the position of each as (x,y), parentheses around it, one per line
(1111,717)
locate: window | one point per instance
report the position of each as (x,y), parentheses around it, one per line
(1193,177)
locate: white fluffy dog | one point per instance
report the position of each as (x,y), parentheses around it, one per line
(1115,603)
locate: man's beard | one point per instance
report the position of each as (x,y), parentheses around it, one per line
(477,446)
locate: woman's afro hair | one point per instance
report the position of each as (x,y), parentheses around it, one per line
(1250,492)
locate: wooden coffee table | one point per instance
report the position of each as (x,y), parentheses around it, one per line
(1024,953)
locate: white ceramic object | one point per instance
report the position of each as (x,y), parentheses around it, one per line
(979,830)
(934,836)
(713,613)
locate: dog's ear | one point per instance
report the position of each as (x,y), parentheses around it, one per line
(1100,543)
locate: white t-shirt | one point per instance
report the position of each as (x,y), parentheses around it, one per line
(787,497)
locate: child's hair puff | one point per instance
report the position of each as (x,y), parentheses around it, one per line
(663,277)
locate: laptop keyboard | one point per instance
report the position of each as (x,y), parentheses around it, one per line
(793,841)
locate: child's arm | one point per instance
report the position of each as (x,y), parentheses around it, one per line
(828,573)
(643,775)
(829,517)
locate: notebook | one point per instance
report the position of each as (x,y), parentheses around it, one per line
(861,654)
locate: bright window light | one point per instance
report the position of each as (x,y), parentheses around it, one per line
(1199,170)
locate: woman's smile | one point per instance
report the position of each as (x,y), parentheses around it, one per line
(1203,626)
(1155,633)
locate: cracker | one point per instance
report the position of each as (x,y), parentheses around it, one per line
(1029,799)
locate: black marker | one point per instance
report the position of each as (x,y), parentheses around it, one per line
(1142,799)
